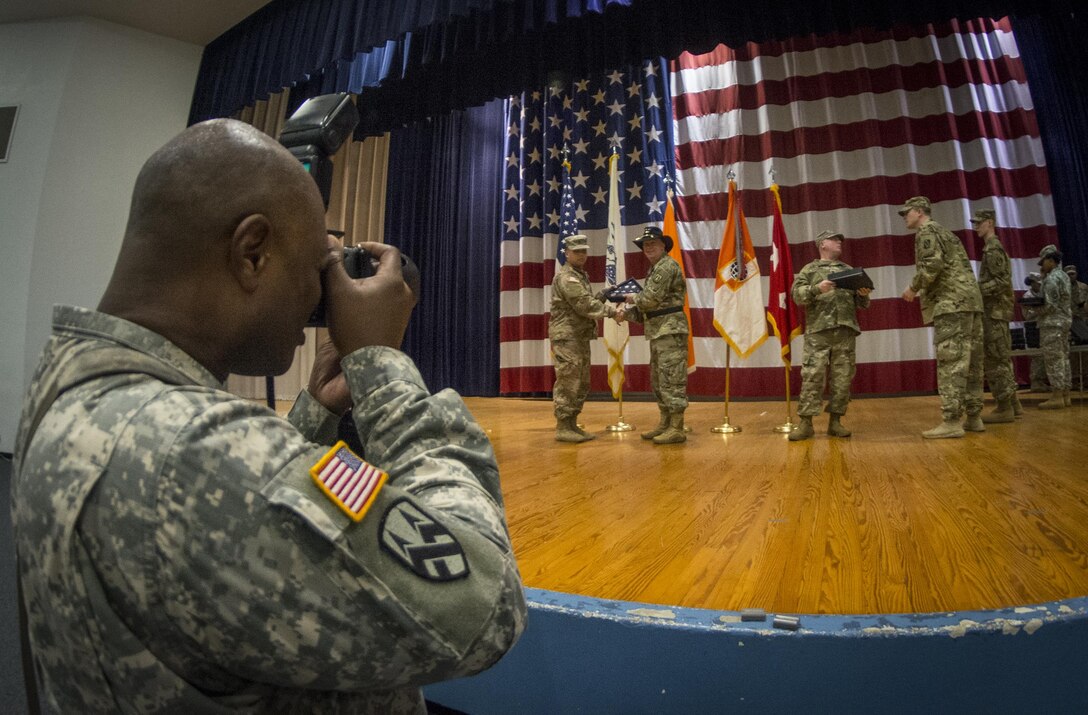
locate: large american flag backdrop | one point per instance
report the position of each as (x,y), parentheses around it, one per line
(851,124)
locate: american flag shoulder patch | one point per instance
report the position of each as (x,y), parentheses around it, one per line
(349,481)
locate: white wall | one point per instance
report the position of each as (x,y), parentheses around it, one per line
(96,99)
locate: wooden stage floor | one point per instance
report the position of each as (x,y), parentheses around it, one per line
(881,522)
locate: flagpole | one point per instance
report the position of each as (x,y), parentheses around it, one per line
(620,425)
(788,425)
(725,427)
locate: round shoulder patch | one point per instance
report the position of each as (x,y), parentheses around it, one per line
(422,544)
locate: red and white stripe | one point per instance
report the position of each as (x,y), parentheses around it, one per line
(351,485)
(852,125)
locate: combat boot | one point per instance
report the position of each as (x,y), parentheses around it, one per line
(567,431)
(1017,408)
(945,430)
(662,425)
(973,423)
(577,428)
(674,433)
(835,428)
(1055,402)
(803,430)
(1003,412)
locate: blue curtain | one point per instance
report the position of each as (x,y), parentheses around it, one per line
(292,43)
(443,208)
(1052,49)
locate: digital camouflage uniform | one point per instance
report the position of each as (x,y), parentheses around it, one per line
(571,327)
(831,329)
(995,285)
(1055,317)
(1037,366)
(177,557)
(668,334)
(951,300)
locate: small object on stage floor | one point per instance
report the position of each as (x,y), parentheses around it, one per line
(753,614)
(789,623)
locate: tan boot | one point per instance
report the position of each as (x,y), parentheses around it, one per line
(674,433)
(973,423)
(803,430)
(835,428)
(567,431)
(577,428)
(662,424)
(1017,408)
(1055,402)
(1067,399)
(1003,412)
(945,430)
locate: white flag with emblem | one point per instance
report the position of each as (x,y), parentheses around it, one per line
(615,334)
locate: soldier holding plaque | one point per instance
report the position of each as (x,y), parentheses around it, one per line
(831,328)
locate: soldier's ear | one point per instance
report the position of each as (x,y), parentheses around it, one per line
(249,248)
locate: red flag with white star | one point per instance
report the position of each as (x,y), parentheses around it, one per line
(782,314)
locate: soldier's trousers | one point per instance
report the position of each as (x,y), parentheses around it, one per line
(669,372)
(957,340)
(827,351)
(571,358)
(997,360)
(1055,345)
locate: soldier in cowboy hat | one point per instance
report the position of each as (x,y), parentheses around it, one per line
(661,306)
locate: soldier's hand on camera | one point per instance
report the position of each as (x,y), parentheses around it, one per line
(368,311)
(327,383)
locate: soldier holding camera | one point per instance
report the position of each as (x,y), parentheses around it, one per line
(184,550)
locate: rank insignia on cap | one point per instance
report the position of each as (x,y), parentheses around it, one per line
(349,481)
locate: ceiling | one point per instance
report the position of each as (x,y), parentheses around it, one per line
(194,21)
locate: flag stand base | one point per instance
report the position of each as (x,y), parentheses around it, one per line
(785,427)
(620,426)
(725,428)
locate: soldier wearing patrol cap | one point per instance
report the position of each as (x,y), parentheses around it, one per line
(831,329)
(995,284)
(951,300)
(183,550)
(571,326)
(661,306)
(1079,292)
(1055,318)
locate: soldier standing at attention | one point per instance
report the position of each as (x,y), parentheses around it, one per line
(184,550)
(831,329)
(951,300)
(1079,291)
(661,306)
(1031,315)
(572,325)
(1055,318)
(995,284)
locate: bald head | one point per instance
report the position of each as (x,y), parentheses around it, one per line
(193,190)
(222,216)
